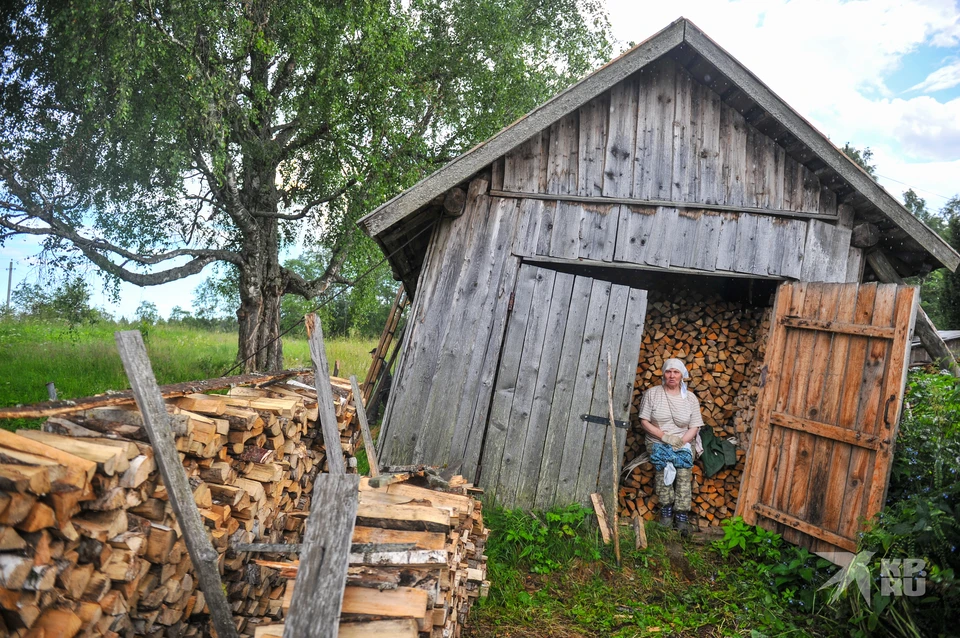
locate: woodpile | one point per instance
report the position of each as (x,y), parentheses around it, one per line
(89,544)
(416,562)
(722,343)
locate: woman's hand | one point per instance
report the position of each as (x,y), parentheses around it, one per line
(690,435)
(673,441)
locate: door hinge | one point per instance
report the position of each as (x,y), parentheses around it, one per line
(510,303)
(602,420)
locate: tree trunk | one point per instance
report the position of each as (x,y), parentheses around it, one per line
(261,290)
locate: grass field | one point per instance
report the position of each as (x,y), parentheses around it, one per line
(82,361)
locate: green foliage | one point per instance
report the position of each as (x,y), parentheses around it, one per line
(861,158)
(949,294)
(68,301)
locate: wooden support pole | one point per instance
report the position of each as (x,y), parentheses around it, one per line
(324,558)
(925,330)
(321,379)
(365,428)
(614,460)
(156,422)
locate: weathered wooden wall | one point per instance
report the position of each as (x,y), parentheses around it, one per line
(655,173)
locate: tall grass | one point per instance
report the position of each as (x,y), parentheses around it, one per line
(83,360)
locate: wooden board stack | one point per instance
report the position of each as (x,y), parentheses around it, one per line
(416,563)
(722,343)
(88,541)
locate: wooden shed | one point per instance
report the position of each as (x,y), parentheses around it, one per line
(670,171)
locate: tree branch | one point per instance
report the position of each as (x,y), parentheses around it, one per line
(309,205)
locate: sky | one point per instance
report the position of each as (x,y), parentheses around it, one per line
(883,74)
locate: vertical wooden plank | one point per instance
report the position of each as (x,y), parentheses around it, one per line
(854,265)
(662,237)
(623,382)
(636,228)
(599,226)
(733,156)
(895,377)
(593,145)
(546,383)
(564,155)
(684,238)
(521,167)
(766,245)
(753,195)
(365,428)
(828,201)
(596,434)
(530,217)
(156,421)
(816,254)
(755,468)
(810,202)
(826,486)
(506,380)
(518,419)
(621,146)
(653,178)
(324,558)
(778,240)
(838,250)
(709,172)
(321,379)
(561,399)
(583,392)
(792,191)
(496,176)
(727,241)
(777,175)
(545,230)
(706,244)
(567,230)
(794,238)
(684,162)
(746,252)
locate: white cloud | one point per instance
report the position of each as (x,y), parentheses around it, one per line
(945,77)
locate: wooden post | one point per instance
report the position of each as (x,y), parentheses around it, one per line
(613,446)
(365,428)
(925,330)
(324,558)
(156,422)
(321,379)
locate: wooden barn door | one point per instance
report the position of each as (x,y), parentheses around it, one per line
(538,450)
(827,416)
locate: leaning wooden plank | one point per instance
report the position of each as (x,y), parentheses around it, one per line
(324,557)
(155,417)
(53,408)
(328,414)
(79,470)
(109,459)
(365,428)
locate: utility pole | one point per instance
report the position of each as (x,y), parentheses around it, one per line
(9,282)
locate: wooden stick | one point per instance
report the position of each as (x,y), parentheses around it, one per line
(639,532)
(613,446)
(365,428)
(321,379)
(925,330)
(324,558)
(155,420)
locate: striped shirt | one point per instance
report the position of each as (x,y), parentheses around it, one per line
(672,414)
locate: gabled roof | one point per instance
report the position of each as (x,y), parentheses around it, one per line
(805,142)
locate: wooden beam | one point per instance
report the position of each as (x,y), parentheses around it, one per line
(805,527)
(630,201)
(321,379)
(53,408)
(859,330)
(826,430)
(559,261)
(365,428)
(155,419)
(324,558)
(925,330)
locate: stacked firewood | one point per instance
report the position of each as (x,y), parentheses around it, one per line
(416,562)
(88,540)
(722,343)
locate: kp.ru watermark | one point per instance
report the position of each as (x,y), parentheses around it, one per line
(898,576)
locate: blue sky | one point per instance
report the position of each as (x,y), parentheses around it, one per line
(877,73)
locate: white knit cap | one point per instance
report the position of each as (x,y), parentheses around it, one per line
(676,364)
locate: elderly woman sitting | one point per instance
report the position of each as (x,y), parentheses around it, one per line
(670,415)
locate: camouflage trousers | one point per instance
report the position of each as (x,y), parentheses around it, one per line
(679,494)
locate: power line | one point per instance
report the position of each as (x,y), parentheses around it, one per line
(324,302)
(923,190)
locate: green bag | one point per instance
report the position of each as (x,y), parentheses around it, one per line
(717,453)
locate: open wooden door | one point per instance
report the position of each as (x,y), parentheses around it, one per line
(539,451)
(827,415)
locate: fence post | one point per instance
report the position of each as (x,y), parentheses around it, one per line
(365,428)
(156,422)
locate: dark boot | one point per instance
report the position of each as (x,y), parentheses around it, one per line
(666,516)
(682,524)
